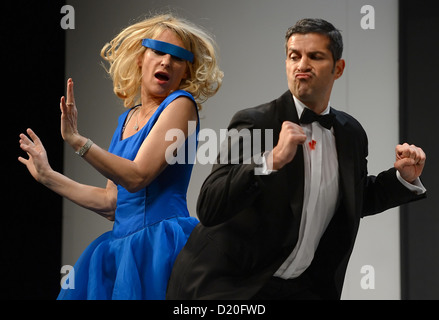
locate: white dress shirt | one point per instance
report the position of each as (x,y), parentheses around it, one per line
(321,193)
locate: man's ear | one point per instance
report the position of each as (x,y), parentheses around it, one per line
(339,68)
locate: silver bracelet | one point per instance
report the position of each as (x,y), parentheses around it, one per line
(81,152)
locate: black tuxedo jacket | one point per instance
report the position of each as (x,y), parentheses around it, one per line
(250,223)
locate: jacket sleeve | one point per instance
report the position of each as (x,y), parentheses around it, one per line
(232,185)
(372,193)
(385,191)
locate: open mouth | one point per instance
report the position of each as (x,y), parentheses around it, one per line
(162,76)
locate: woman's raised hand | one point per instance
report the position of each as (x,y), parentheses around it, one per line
(37,163)
(69,117)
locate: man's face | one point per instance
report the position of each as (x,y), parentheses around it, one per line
(310,69)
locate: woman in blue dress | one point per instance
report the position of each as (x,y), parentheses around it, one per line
(162,68)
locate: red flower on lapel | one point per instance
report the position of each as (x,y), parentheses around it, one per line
(312,144)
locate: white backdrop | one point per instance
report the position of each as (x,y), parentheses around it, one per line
(250,35)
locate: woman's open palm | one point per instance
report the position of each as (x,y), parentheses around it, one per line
(37,163)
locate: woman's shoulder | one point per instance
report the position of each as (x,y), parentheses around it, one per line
(176,94)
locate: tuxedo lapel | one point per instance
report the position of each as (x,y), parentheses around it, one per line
(295,169)
(286,108)
(346,158)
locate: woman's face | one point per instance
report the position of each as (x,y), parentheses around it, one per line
(161,72)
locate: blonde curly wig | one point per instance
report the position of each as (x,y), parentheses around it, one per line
(123,51)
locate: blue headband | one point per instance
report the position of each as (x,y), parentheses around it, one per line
(168,48)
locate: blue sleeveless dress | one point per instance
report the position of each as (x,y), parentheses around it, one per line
(135,259)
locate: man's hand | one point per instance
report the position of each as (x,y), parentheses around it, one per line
(291,135)
(410,161)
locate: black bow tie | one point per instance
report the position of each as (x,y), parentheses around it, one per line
(309,116)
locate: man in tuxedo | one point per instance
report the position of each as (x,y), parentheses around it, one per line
(289,233)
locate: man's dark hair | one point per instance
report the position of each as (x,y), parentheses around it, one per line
(320,26)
